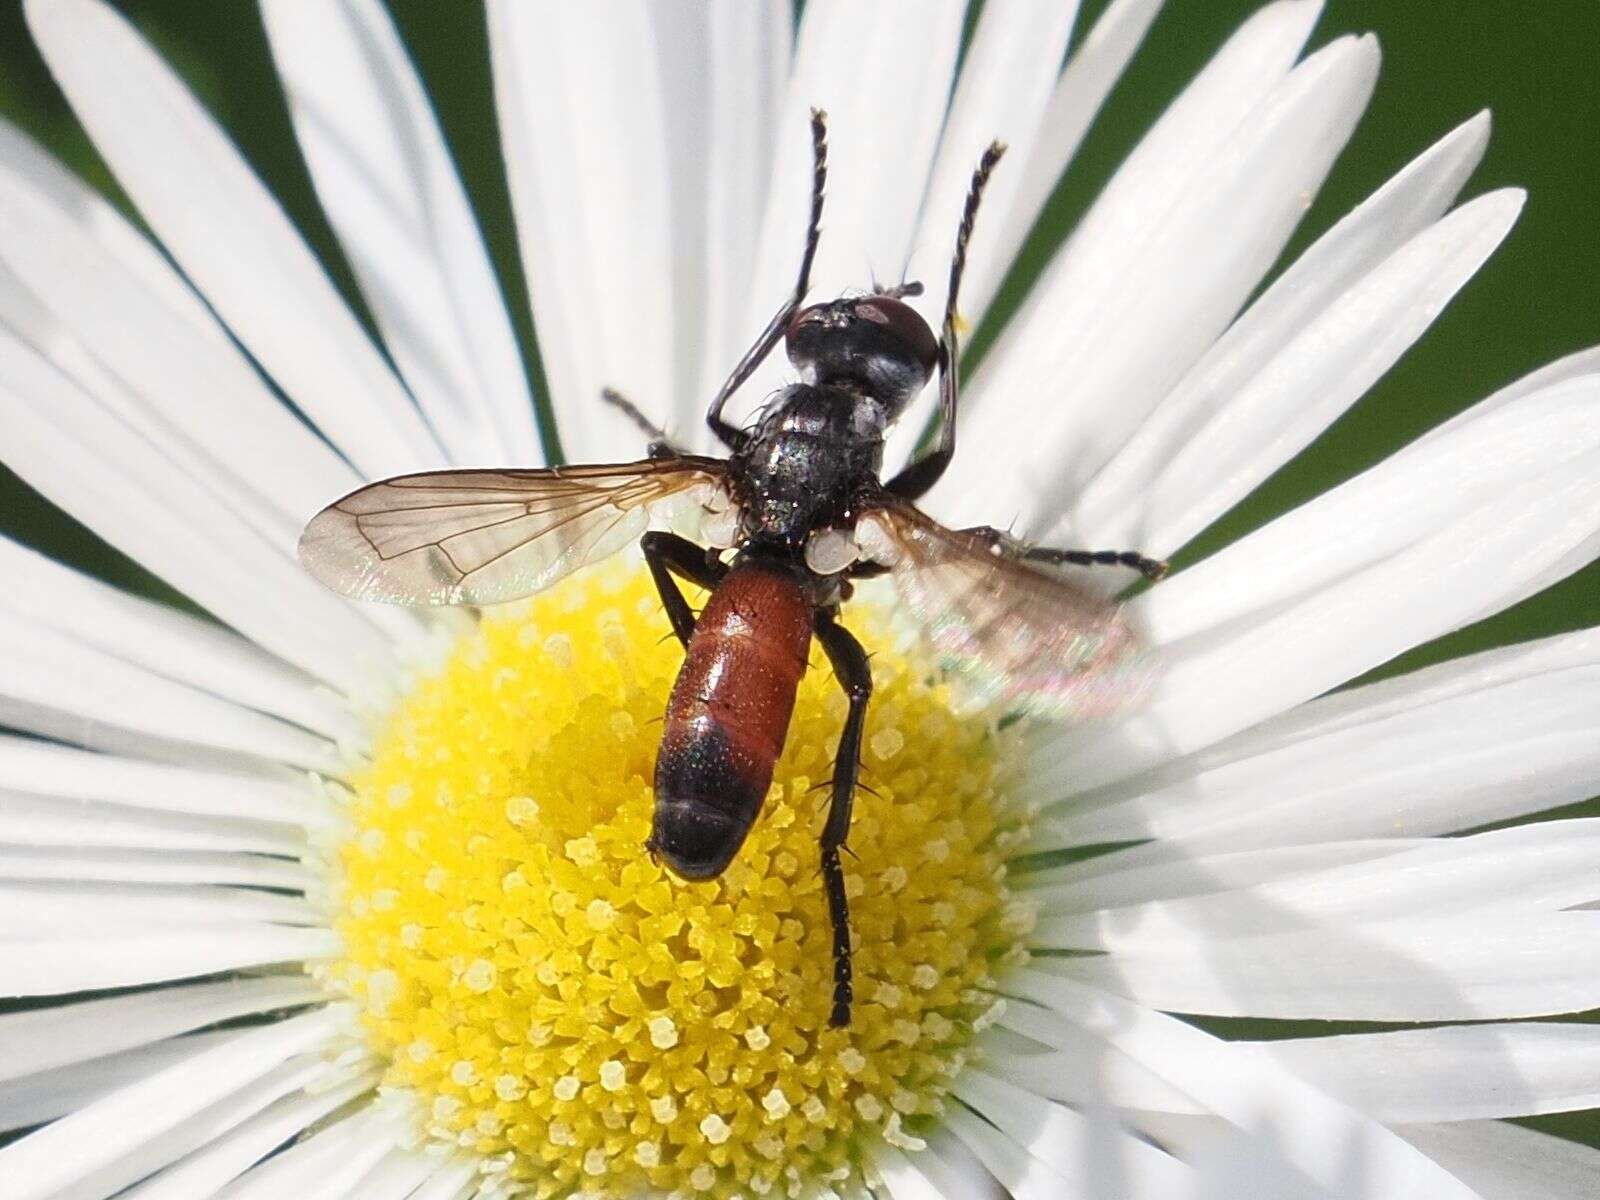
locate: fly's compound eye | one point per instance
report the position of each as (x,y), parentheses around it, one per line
(902,323)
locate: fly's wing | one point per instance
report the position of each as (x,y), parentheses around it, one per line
(482,537)
(1015,636)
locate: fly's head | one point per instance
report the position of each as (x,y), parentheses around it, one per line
(878,343)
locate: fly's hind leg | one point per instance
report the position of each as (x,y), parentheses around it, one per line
(667,554)
(1150,568)
(854,673)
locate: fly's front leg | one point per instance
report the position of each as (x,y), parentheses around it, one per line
(667,554)
(850,666)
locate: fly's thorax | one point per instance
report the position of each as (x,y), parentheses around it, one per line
(807,459)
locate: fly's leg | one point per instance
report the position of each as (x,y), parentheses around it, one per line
(661,446)
(921,475)
(854,673)
(731,437)
(667,555)
(1150,568)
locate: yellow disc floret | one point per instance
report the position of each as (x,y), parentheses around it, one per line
(588,1023)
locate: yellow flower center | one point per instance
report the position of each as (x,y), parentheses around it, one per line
(591,1024)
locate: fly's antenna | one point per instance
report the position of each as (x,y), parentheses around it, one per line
(819,186)
(969,218)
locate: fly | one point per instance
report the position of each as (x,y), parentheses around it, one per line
(801,510)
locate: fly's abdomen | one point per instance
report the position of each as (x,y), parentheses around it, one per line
(728,717)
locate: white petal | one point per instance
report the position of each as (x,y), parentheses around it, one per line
(199,1132)
(1331,364)
(391,192)
(228,235)
(152,866)
(204,1171)
(1168,872)
(1096,65)
(53,684)
(578,94)
(1506,1162)
(36,1099)
(80,824)
(449,1183)
(396,1177)
(95,298)
(1474,967)
(748,62)
(1454,1073)
(56,966)
(168,642)
(43,1038)
(1159,266)
(882,72)
(1398,566)
(328,1164)
(1485,738)
(1312,1132)
(1092,1157)
(34,908)
(1534,868)
(51,1158)
(94,466)
(903,1177)
(47,769)
(1338,272)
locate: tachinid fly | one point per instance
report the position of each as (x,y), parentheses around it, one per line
(800,510)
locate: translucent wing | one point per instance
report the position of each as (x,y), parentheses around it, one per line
(482,537)
(1016,636)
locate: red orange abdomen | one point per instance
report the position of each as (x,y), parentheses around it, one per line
(728,717)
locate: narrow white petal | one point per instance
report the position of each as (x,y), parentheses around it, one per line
(1476,967)
(397,1176)
(48,769)
(1007,75)
(1095,67)
(1093,1157)
(903,1177)
(1480,739)
(81,824)
(1159,266)
(883,74)
(202,1174)
(90,463)
(56,966)
(1507,1162)
(52,683)
(450,1182)
(1542,867)
(152,866)
(578,93)
(202,1130)
(1166,872)
(51,1158)
(34,908)
(751,45)
(43,1038)
(1324,277)
(36,1099)
(1314,1133)
(228,234)
(328,1164)
(1400,566)
(391,191)
(1315,378)
(170,643)
(94,297)
(1454,1073)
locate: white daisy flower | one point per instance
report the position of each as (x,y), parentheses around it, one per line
(335,900)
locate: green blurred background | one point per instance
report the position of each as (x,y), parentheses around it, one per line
(1535,65)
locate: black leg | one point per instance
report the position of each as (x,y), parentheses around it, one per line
(1150,568)
(855,676)
(667,554)
(921,475)
(660,445)
(735,438)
